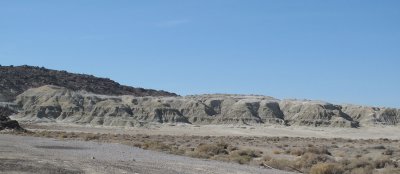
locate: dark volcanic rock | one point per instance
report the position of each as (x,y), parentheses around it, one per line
(5,121)
(15,80)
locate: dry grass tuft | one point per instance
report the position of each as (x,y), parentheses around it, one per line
(281,164)
(210,150)
(244,156)
(326,168)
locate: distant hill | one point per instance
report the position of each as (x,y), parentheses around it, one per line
(16,79)
(43,95)
(57,104)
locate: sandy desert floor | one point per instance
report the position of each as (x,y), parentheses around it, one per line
(374,150)
(20,154)
(390,132)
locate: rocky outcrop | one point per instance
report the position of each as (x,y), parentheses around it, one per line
(6,122)
(58,104)
(373,115)
(15,80)
(315,113)
(58,96)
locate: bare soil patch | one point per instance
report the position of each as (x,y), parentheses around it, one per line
(61,147)
(295,154)
(31,166)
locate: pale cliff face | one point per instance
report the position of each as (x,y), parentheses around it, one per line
(373,115)
(52,103)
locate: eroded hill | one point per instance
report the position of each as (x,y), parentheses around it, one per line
(16,79)
(58,104)
(42,95)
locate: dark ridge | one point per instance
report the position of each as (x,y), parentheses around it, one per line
(16,79)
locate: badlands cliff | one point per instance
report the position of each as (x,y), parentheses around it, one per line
(43,95)
(58,104)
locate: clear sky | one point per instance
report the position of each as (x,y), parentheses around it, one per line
(341,51)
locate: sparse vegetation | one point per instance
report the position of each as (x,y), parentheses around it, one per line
(326,168)
(299,156)
(281,164)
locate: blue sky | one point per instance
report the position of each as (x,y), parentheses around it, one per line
(339,51)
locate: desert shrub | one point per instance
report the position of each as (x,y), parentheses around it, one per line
(251,153)
(139,145)
(89,136)
(63,136)
(297,152)
(231,148)
(266,158)
(209,150)
(358,166)
(244,156)
(177,151)
(378,147)
(384,162)
(358,156)
(365,151)
(308,160)
(361,171)
(367,166)
(43,134)
(387,152)
(326,168)
(240,157)
(318,150)
(310,149)
(357,163)
(213,149)
(276,152)
(222,144)
(334,146)
(155,145)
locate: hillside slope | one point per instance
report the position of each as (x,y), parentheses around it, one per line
(16,79)
(57,96)
(58,104)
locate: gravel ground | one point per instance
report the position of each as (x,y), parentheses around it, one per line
(376,132)
(41,155)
